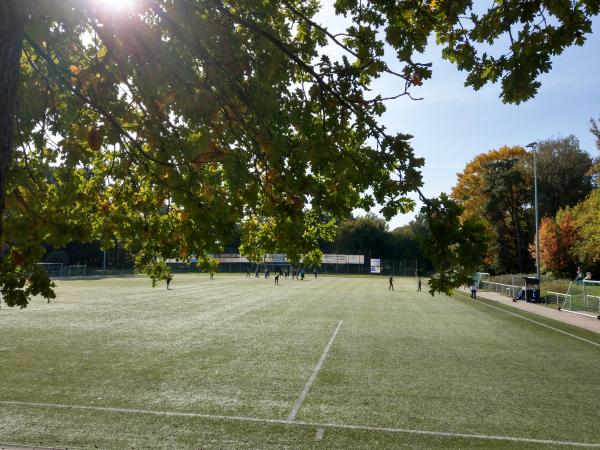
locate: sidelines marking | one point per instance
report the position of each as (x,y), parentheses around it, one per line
(320,433)
(29,447)
(313,375)
(338,426)
(4,349)
(580,313)
(539,323)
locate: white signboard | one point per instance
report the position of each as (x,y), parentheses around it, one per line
(342,259)
(375,265)
(356,259)
(281,258)
(231,258)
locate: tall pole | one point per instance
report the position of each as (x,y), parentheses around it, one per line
(533,146)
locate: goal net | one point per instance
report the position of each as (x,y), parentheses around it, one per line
(583,297)
(479,278)
(52,269)
(74,271)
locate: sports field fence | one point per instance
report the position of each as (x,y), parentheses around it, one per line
(115,262)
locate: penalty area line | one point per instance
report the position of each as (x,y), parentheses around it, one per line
(313,375)
(298,423)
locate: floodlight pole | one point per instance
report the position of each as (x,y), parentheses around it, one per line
(533,146)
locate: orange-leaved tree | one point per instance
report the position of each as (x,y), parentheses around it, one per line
(558,238)
(472,192)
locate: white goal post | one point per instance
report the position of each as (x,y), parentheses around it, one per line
(583,297)
(78,270)
(480,277)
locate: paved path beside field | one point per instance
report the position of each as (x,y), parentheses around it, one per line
(589,323)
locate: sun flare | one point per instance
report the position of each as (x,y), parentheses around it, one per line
(117,5)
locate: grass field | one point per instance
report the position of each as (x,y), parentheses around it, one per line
(327,363)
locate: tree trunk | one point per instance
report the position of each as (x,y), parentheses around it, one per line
(12,20)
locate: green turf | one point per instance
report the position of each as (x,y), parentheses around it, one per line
(244,347)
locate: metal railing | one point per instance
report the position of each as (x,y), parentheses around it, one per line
(508,290)
(558,296)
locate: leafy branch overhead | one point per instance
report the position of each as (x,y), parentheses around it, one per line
(162,125)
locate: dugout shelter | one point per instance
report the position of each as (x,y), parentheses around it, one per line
(530,291)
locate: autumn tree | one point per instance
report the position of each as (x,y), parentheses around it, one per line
(587,217)
(563,170)
(508,195)
(571,237)
(558,239)
(164,124)
(550,248)
(474,190)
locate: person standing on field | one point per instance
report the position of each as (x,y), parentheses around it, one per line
(391,286)
(473,290)
(419,284)
(169,279)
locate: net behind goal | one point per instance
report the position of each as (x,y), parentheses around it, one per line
(583,297)
(480,278)
(52,269)
(74,271)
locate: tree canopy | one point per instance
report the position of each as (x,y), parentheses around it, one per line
(163,124)
(564,177)
(493,188)
(497,186)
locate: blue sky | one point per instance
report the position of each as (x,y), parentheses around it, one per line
(455,123)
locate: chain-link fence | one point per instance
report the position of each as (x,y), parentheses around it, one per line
(78,260)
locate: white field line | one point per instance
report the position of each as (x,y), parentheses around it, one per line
(32,447)
(319,435)
(3,349)
(489,437)
(313,375)
(539,323)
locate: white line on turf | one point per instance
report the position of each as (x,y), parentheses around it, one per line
(3,349)
(299,423)
(320,433)
(29,447)
(313,375)
(539,323)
